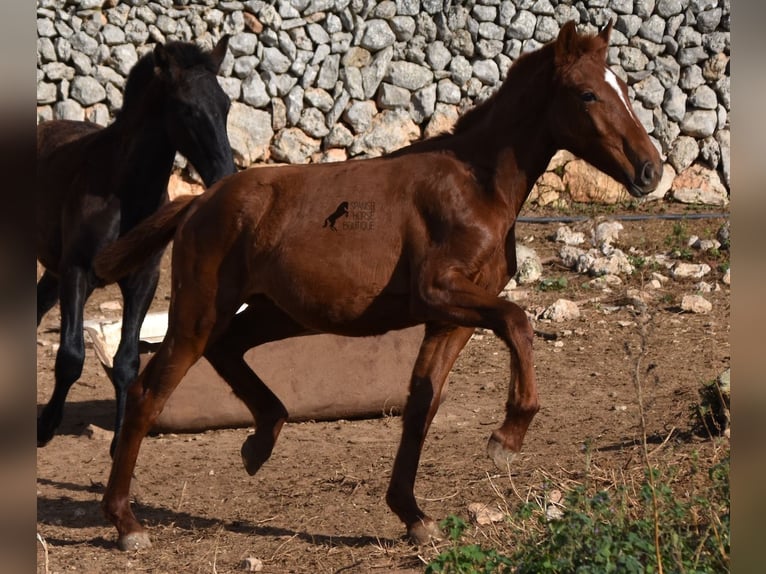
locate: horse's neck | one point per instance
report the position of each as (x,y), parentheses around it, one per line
(508,138)
(147,156)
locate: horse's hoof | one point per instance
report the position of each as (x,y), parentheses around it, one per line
(45,432)
(501,456)
(254,454)
(424,531)
(134,541)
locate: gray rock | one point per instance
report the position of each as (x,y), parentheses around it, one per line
(652,29)
(339,105)
(630,25)
(408,75)
(86,90)
(46,93)
(359,115)
(529,268)
(423,104)
(136,32)
(339,136)
(245,66)
(632,59)
(486,71)
(699,123)
(547,29)
(278,84)
(447,92)
(293,146)
(373,74)
(522,26)
(243,44)
(56,71)
(703,97)
(666,8)
(254,91)
(408,7)
(643,8)
(484,13)
(112,34)
(682,270)
(690,56)
(649,92)
(505,13)
(667,71)
(391,97)
(123,58)
(68,110)
(403,27)
(274,61)
(674,103)
(328,72)
(294,105)
(352,80)
(492,31)
(377,35)
(232,87)
(312,123)
(437,55)
(250,134)
(723,137)
(389,131)
(46,51)
(318,98)
(45,28)
(691,78)
(84,43)
(562,310)
(683,153)
(461,70)
(709,20)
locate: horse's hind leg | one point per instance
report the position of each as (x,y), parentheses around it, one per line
(75,290)
(137,293)
(438,352)
(258,324)
(47,294)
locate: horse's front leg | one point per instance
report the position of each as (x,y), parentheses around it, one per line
(75,288)
(450,296)
(137,292)
(47,294)
(438,352)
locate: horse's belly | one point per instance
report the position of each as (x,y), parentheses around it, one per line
(351,295)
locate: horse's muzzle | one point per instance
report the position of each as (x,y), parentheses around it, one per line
(646,180)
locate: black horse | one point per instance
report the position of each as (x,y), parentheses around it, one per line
(94,184)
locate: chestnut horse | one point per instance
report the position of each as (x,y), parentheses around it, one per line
(94,184)
(429,238)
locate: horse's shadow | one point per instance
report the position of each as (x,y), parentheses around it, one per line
(79,414)
(87,514)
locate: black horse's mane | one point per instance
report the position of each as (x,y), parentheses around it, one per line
(183,54)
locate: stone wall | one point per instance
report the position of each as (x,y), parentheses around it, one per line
(327,80)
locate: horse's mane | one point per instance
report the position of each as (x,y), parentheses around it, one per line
(183,54)
(523,68)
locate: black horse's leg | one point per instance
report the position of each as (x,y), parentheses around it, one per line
(137,292)
(254,326)
(74,291)
(47,294)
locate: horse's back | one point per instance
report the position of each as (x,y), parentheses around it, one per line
(54,134)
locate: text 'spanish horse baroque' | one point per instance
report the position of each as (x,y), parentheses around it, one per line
(432,242)
(94,184)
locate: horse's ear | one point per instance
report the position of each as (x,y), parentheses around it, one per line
(163,61)
(604,35)
(566,43)
(219,52)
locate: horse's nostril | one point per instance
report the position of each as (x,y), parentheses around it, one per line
(647,173)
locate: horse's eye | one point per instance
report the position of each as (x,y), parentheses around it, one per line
(588,97)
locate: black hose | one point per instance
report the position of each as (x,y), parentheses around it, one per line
(622,217)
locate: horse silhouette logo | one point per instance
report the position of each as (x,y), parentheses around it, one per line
(340,211)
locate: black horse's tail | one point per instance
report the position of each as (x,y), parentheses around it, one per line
(131,250)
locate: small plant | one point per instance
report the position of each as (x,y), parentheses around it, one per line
(466,558)
(557,284)
(614,531)
(712,414)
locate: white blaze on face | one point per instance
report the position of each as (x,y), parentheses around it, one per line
(611,79)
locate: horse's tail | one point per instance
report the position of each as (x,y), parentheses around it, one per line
(131,250)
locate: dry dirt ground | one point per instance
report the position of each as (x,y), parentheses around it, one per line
(318,504)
